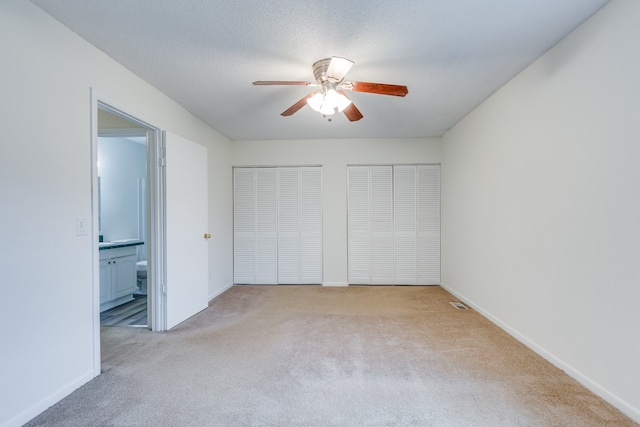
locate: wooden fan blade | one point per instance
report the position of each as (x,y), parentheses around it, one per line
(379,88)
(298,105)
(286,83)
(352,113)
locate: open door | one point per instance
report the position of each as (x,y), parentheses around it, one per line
(186,229)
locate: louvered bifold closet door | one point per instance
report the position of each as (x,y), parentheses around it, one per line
(266,249)
(244,225)
(405,227)
(381,182)
(428,225)
(359,229)
(288,225)
(311,226)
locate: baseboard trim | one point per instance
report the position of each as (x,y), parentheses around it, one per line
(220,291)
(44,404)
(594,387)
(335,284)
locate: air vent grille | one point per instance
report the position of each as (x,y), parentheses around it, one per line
(459,305)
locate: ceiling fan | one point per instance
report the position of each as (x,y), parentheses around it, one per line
(330,96)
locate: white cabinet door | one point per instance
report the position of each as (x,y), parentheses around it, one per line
(123,276)
(105,281)
(187,205)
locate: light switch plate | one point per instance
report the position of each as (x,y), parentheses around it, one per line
(82,224)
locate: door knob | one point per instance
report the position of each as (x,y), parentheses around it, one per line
(207,235)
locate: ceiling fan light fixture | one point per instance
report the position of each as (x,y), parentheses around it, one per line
(330,97)
(327,103)
(338,68)
(337,100)
(316,101)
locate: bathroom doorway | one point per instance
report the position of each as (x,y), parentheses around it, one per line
(177,273)
(154,238)
(122,210)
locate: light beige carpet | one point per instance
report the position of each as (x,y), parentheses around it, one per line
(314,356)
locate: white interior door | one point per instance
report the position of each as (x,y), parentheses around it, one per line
(186,222)
(310,225)
(244,226)
(405,225)
(382,259)
(289,226)
(428,224)
(359,225)
(266,228)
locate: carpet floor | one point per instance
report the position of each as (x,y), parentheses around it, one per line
(317,356)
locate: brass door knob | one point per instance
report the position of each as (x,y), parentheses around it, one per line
(207,235)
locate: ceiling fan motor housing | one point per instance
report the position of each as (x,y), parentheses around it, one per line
(320,70)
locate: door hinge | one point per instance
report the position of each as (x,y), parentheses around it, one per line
(162,160)
(164,289)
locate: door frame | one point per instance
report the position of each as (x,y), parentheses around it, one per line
(156,225)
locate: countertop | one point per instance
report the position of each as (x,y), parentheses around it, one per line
(120,244)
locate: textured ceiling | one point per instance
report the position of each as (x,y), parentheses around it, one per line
(452,54)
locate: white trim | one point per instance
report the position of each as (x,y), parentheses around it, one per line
(604,393)
(335,284)
(122,132)
(95,230)
(50,400)
(155,180)
(219,292)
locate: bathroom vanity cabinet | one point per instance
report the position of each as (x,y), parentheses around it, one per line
(117,276)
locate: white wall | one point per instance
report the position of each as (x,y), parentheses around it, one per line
(541,205)
(45,269)
(122,163)
(334,156)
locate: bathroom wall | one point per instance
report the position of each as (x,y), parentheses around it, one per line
(121,166)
